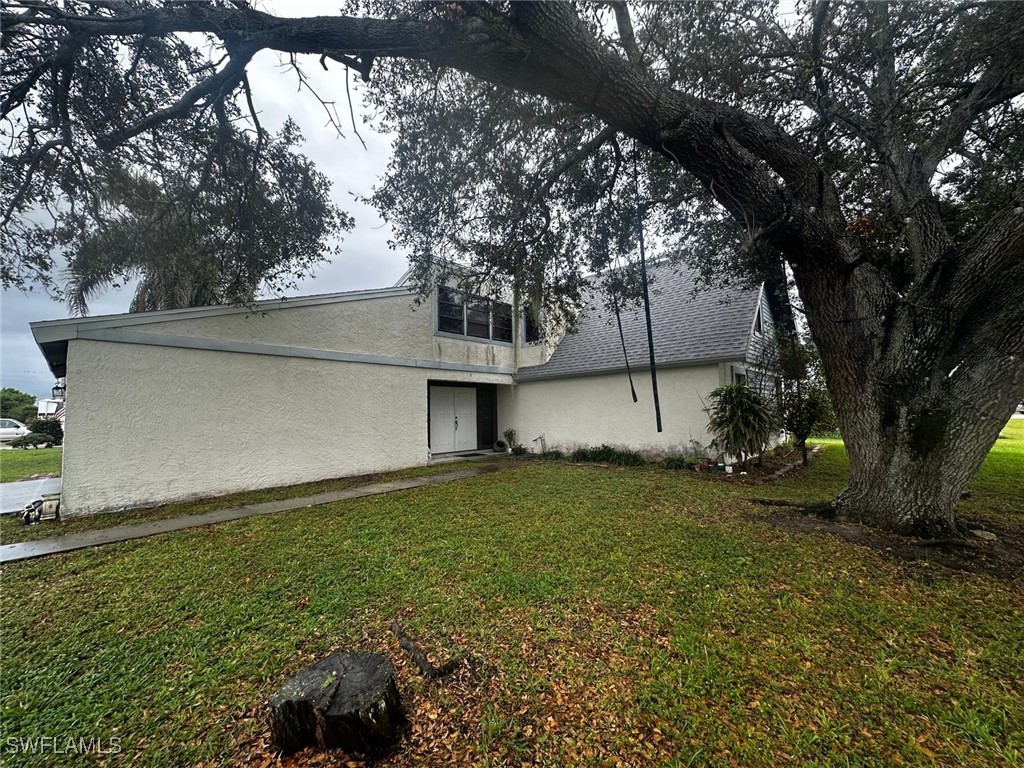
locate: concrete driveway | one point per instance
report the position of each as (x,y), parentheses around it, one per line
(14,496)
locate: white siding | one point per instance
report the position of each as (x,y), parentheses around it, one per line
(154,424)
(591,410)
(390,326)
(757,351)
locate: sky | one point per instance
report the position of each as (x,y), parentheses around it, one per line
(366,260)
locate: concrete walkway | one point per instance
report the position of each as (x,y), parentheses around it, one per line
(10,553)
(14,496)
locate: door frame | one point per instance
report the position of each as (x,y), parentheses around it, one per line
(486,410)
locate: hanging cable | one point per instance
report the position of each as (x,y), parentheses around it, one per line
(647,297)
(622,338)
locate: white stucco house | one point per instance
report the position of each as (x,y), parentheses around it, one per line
(198,402)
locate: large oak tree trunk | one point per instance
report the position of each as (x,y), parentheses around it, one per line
(920,392)
(908,469)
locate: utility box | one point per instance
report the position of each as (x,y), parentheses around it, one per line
(51,506)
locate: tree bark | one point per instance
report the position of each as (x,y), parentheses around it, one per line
(918,413)
(908,475)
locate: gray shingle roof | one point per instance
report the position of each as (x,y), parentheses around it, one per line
(714,324)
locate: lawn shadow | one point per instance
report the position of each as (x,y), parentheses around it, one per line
(1002,558)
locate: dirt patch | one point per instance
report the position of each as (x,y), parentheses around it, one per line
(1002,557)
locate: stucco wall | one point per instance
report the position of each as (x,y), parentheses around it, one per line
(591,410)
(148,424)
(392,326)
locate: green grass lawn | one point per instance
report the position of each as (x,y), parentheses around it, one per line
(12,530)
(642,616)
(19,464)
(998,487)
(997,491)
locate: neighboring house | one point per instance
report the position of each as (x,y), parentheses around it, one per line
(196,402)
(50,408)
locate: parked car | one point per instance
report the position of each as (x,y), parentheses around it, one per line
(10,429)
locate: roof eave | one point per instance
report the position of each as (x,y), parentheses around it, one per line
(737,358)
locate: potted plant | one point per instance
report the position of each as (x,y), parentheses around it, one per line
(513,446)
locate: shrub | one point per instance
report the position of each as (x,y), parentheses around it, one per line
(607,455)
(802,408)
(31,440)
(740,421)
(679,462)
(50,427)
(551,456)
(826,424)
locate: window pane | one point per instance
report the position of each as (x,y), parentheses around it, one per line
(478,317)
(449,295)
(478,304)
(449,310)
(503,314)
(478,330)
(449,325)
(501,322)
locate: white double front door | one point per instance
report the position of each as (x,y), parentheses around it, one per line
(452,419)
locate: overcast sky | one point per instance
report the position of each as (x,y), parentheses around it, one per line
(366,260)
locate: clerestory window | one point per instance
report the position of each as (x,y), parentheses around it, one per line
(465,314)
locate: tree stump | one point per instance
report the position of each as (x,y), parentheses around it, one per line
(346,701)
